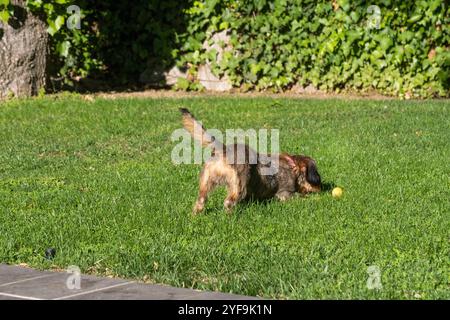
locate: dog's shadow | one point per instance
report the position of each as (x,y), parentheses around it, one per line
(326,187)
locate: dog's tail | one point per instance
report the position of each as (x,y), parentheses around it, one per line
(198,131)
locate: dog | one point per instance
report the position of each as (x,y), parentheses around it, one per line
(248,180)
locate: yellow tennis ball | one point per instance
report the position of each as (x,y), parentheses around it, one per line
(337,192)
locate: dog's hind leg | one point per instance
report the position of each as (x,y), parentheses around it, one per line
(207,184)
(236,190)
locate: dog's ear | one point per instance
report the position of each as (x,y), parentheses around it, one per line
(290,160)
(292,163)
(312,175)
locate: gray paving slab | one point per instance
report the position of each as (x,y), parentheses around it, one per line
(142,292)
(54,286)
(10,274)
(6,297)
(24,283)
(139,291)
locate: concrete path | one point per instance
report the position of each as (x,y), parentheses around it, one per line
(18,283)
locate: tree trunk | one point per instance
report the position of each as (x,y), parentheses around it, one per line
(23,53)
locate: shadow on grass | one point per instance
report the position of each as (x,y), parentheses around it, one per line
(241,207)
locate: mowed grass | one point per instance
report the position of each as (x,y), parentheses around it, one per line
(95,180)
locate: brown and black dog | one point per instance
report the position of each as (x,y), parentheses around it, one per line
(249,179)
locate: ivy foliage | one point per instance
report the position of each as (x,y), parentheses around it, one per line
(396,48)
(5,10)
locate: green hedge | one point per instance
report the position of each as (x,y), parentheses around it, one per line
(332,45)
(329,44)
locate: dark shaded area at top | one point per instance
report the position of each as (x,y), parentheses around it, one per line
(133,39)
(137,34)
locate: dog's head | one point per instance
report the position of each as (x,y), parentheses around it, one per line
(308,178)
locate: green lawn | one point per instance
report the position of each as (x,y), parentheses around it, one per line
(94,180)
